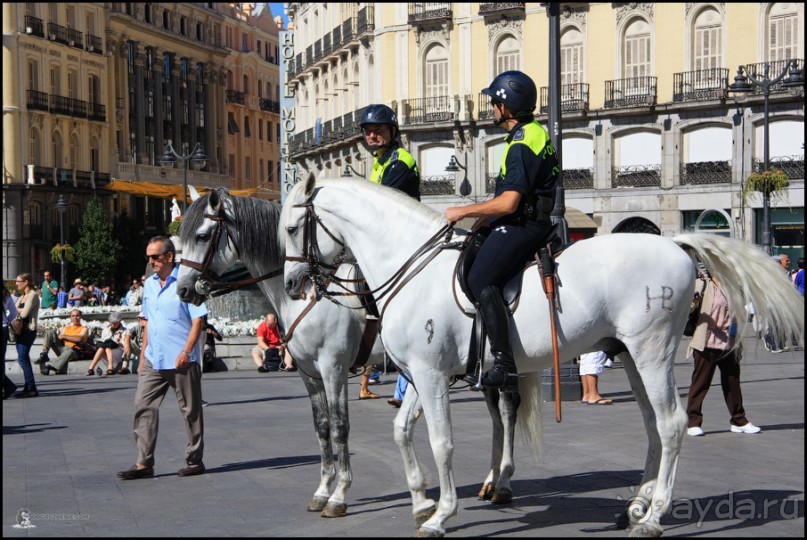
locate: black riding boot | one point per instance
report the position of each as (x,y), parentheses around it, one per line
(504,374)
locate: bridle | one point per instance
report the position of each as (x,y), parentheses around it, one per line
(210,284)
(322,274)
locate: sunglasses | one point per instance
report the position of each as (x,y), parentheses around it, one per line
(155,257)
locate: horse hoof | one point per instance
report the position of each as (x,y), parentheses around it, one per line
(423,516)
(429,533)
(334,510)
(486,492)
(317,504)
(502,496)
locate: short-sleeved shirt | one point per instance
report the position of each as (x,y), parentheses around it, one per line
(49,298)
(73,331)
(270,335)
(61,299)
(169,322)
(395,171)
(76,292)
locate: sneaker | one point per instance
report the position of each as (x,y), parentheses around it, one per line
(695,431)
(748,428)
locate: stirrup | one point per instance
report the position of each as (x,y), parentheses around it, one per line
(509,382)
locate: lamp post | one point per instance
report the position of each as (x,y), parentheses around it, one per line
(455,166)
(742,85)
(61,207)
(197,156)
(349,171)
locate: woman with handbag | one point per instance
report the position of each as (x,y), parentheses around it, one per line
(9,314)
(28,308)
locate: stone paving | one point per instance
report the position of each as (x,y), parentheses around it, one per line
(62,449)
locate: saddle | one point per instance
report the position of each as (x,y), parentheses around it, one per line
(550,246)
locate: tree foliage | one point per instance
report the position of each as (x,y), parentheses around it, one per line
(97,250)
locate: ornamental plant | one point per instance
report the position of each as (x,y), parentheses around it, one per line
(63,252)
(772,183)
(173,227)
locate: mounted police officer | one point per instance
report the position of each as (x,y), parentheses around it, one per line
(393,166)
(518,214)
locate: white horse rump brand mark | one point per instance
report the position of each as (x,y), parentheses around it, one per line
(430,329)
(666,294)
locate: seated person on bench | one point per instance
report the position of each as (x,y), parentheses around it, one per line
(110,344)
(67,344)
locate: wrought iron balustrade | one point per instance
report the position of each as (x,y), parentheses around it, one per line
(78,108)
(705,172)
(631,92)
(234,96)
(57,33)
(94,44)
(349,30)
(700,85)
(327,47)
(366,20)
(317,50)
(60,105)
(792,166)
(34,26)
(309,55)
(636,176)
(578,178)
(37,100)
(484,109)
(499,8)
(75,38)
(336,37)
(43,175)
(573,98)
(438,185)
(427,110)
(429,12)
(774,69)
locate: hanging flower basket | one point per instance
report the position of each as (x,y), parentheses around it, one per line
(61,253)
(173,227)
(772,183)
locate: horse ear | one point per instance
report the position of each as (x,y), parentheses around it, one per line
(310,182)
(213,201)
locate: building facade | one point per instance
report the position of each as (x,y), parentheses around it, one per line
(651,135)
(94,92)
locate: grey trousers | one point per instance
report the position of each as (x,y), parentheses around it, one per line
(64,353)
(152,386)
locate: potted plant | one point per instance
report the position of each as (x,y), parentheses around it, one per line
(772,183)
(61,253)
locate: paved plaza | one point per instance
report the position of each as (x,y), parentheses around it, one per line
(62,449)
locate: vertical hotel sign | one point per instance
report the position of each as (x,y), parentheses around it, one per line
(287,114)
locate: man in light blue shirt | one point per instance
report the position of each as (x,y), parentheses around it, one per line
(170,356)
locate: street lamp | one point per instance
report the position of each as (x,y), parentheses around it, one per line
(349,171)
(61,207)
(197,156)
(742,85)
(455,166)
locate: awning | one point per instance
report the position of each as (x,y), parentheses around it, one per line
(165,191)
(576,219)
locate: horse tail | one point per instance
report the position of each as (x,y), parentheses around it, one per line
(746,274)
(530,411)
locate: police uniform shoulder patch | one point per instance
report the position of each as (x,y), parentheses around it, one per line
(519,135)
(394,157)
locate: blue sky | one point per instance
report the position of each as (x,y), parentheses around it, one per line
(277,9)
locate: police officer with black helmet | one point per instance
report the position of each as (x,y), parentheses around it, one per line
(393,166)
(518,214)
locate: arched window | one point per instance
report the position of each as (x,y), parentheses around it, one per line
(436,76)
(636,50)
(571,56)
(508,54)
(35,149)
(707,50)
(782,30)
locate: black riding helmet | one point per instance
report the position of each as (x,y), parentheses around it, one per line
(516,90)
(378,113)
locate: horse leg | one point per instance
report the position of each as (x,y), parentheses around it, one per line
(336,391)
(316,392)
(403,428)
(489,485)
(433,390)
(508,407)
(665,421)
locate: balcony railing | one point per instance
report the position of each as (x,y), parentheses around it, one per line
(96,111)
(43,175)
(327,46)
(75,38)
(336,38)
(427,110)
(57,33)
(365,20)
(78,108)
(37,101)
(429,12)
(484,110)
(234,96)
(700,85)
(269,105)
(573,98)
(349,30)
(792,166)
(438,185)
(774,69)
(309,55)
(501,8)
(636,176)
(578,178)
(631,92)
(94,44)
(34,26)
(60,105)
(705,172)
(317,50)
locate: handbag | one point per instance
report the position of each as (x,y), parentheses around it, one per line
(692,322)
(17,326)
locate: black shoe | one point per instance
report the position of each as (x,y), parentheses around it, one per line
(47,369)
(262,369)
(124,371)
(192,470)
(43,358)
(500,377)
(134,473)
(44,370)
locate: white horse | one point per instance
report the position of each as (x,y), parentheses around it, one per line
(247,231)
(628,293)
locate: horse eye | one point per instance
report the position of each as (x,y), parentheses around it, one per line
(291,230)
(203,237)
